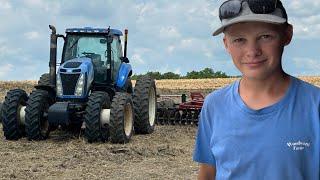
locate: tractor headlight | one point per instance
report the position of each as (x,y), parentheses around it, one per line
(80,86)
(59,86)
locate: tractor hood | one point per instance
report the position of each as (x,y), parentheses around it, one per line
(69,74)
(81,64)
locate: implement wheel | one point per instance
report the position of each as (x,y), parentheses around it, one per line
(95,131)
(121,118)
(13,127)
(37,125)
(145,105)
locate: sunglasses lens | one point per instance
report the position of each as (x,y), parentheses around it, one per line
(229,9)
(262,6)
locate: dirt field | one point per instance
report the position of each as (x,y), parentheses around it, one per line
(165,154)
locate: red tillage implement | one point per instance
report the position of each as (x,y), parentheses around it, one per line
(187,112)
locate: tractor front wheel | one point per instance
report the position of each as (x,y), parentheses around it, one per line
(121,118)
(95,130)
(13,127)
(37,125)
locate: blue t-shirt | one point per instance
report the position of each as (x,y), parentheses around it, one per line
(281,141)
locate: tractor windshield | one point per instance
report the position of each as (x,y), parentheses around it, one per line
(94,47)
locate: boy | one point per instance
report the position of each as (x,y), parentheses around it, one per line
(267,124)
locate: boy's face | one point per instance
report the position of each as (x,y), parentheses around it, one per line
(256,48)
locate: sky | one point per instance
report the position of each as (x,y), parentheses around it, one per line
(164,35)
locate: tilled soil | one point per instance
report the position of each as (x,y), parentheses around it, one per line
(164,154)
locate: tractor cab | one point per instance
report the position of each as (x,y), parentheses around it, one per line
(101,46)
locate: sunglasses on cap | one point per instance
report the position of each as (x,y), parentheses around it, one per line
(232,8)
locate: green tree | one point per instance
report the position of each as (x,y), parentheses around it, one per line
(155,75)
(170,75)
(192,75)
(205,73)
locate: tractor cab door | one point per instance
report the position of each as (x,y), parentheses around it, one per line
(116,53)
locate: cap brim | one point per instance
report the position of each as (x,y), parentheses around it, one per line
(267,18)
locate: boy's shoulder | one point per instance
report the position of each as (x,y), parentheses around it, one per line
(308,88)
(222,93)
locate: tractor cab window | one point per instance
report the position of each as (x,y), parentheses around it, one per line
(93,47)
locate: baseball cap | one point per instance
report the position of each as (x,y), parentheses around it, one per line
(278,16)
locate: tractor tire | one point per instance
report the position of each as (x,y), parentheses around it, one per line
(145,105)
(44,79)
(12,127)
(37,125)
(94,131)
(121,118)
(1,113)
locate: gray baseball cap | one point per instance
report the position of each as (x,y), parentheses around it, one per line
(279,16)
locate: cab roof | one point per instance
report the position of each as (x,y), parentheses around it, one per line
(94,31)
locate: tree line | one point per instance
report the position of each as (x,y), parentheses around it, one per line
(202,74)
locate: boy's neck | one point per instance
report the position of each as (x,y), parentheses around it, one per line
(260,93)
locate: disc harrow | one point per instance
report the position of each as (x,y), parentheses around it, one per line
(185,113)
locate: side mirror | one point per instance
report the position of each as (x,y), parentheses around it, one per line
(124,59)
(103,41)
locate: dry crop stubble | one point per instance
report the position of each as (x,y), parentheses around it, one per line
(163,84)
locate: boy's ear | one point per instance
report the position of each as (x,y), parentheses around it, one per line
(288,34)
(225,42)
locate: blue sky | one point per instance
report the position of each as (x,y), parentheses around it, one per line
(164,35)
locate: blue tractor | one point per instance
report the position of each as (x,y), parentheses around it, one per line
(91,90)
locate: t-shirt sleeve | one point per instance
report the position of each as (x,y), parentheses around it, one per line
(202,151)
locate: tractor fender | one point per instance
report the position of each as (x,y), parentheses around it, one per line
(125,71)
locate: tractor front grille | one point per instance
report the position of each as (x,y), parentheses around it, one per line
(69,82)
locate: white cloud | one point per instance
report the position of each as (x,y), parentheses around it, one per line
(177,71)
(171,48)
(145,10)
(305,17)
(32,35)
(7,51)
(186,43)
(137,59)
(34,2)
(5,70)
(307,66)
(169,32)
(5,5)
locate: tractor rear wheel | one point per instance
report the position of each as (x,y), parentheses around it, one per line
(44,79)
(13,127)
(1,113)
(95,131)
(37,125)
(145,102)
(121,118)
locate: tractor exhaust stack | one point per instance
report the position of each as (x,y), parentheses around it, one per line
(53,55)
(125,42)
